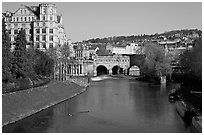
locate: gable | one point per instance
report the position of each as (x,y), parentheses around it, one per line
(24,11)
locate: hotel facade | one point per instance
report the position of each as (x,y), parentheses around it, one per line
(43,26)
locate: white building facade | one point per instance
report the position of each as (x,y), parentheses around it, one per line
(42,24)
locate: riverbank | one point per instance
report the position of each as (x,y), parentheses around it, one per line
(25,83)
(21,104)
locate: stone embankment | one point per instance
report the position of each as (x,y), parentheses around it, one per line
(21,104)
(81,81)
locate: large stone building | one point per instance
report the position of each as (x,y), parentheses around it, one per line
(128,49)
(42,24)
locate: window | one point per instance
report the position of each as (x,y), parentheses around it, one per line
(44,37)
(43,17)
(44,24)
(17,19)
(15,38)
(37,31)
(30,31)
(51,38)
(51,45)
(44,45)
(30,38)
(25,19)
(37,45)
(15,31)
(37,24)
(23,25)
(21,18)
(43,30)
(37,38)
(51,18)
(16,25)
(9,25)
(51,30)
(9,31)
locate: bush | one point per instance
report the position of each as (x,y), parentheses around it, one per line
(23,84)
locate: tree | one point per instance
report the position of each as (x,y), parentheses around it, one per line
(192,60)
(30,56)
(6,55)
(156,63)
(53,53)
(20,65)
(44,65)
(65,52)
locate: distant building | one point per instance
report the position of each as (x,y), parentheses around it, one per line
(131,48)
(193,35)
(119,49)
(42,24)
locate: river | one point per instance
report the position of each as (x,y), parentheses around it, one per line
(109,106)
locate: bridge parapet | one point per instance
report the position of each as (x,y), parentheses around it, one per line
(110,61)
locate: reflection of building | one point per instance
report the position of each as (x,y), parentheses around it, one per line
(42,24)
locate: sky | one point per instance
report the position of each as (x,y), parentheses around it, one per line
(86,20)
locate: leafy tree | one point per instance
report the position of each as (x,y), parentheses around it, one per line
(31,56)
(65,52)
(53,53)
(192,60)
(20,65)
(44,65)
(156,63)
(6,55)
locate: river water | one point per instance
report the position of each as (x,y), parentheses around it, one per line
(110,106)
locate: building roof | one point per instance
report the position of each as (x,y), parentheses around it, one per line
(103,52)
(119,45)
(34,9)
(100,46)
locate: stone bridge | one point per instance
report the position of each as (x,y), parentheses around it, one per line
(111,64)
(116,64)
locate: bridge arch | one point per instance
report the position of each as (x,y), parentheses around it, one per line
(134,70)
(101,70)
(117,70)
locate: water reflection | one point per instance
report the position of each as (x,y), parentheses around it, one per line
(109,106)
